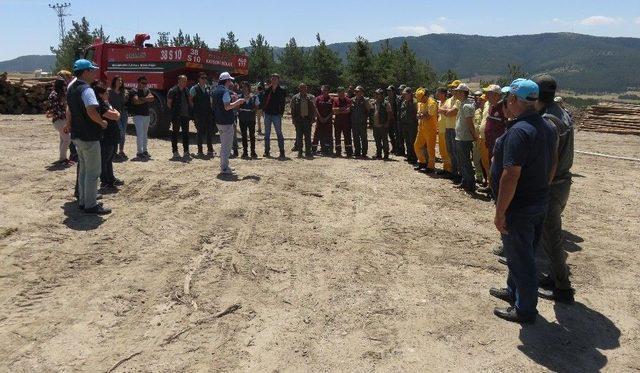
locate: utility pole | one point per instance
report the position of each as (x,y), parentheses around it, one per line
(60,12)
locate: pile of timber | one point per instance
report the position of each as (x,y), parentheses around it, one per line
(24,96)
(612,117)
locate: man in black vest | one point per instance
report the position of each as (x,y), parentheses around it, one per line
(86,127)
(200,100)
(225,118)
(178,105)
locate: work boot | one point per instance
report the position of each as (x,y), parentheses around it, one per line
(511,314)
(558,295)
(499,251)
(254,155)
(176,155)
(300,154)
(545,281)
(98,210)
(266,155)
(485,190)
(282,156)
(245,155)
(502,294)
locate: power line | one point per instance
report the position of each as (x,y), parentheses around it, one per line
(60,12)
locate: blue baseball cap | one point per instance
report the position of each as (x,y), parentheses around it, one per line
(83,64)
(525,89)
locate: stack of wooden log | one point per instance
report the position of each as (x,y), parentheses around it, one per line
(24,96)
(612,117)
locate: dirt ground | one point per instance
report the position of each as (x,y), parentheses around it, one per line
(337,265)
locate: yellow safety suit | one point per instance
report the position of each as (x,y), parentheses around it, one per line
(425,144)
(442,142)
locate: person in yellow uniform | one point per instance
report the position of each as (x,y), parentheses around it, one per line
(441,97)
(449,110)
(482,171)
(425,144)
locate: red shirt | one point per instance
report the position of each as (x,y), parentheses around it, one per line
(325,106)
(342,119)
(495,126)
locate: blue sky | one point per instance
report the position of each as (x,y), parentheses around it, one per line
(30,27)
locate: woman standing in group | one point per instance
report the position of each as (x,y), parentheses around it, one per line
(118,99)
(109,140)
(57,112)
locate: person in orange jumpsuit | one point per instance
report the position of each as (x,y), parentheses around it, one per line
(425,144)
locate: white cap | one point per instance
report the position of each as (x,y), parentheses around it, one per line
(225,76)
(462,87)
(558,99)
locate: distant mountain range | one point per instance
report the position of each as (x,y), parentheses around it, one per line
(28,63)
(579,62)
(582,63)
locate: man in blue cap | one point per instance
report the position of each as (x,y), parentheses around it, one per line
(86,126)
(525,158)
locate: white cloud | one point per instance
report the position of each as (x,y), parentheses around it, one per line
(638,21)
(556,20)
(598,21)
(421,30)
(442,19)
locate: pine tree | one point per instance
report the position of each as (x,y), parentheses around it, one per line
(229,44)
(260,59)
(360,66)
(293,63)
(197,42)
(325,66)
(121,40)
(449,77)
(75,41)
(405,66)
(179,40)
(163,39)
(385,61)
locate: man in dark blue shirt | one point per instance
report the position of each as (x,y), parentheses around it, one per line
(525,158)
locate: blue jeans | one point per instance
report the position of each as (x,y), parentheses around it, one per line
(89,168)
(463,154)
(276,120)
(450,139)
(142,128)
(122,125)
(525,232)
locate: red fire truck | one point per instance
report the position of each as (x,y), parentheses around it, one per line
(161,66)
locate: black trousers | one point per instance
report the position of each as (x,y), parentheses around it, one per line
(248,132)
(180,124)
(382,142)
(205,128)
(303,133)
(107,152)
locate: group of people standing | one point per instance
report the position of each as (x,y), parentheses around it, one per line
(519,138)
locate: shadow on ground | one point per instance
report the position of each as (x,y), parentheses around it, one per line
(573,343)
(77,220)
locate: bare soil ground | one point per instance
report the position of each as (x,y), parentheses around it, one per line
(337,265)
